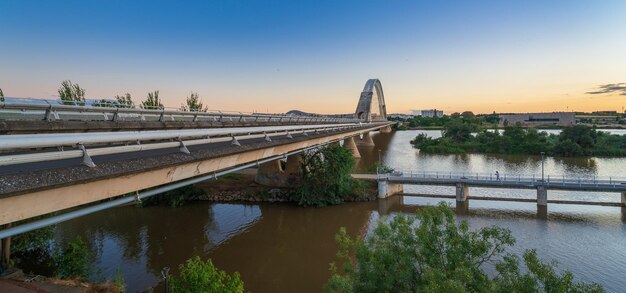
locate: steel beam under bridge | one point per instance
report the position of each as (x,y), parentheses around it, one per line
(56,198)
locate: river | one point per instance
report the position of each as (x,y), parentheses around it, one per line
(285,248)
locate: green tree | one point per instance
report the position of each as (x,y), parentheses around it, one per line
(1,96)
(568,148)
(73,260)
(124,101)
(457,132)
(582,135)
(468,115)
(198,276)
(71,94)
(152,101)
(431,252)
(193,104)
(326,178)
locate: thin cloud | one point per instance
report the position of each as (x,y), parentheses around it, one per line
(610,88)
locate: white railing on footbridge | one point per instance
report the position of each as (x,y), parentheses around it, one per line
(548,180)
(50,110)
(30,148)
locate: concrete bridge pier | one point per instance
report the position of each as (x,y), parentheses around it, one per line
(462,207)
(270,174)
(623,199)
(386,189)
(293,169)
(542,196)
(366,140)
(462,192)
(542,212)
(5,250)
(387,205)
(351,145)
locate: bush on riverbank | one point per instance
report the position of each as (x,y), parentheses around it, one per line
(431,252)
(198,276)
(327,179)
(72,261)
(572,141)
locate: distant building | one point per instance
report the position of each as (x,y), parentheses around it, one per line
(428,113)
(536,119)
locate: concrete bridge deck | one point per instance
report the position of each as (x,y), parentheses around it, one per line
(63,184)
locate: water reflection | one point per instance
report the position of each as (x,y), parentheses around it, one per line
(284,248)
(141,241)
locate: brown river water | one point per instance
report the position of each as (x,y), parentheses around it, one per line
(285,248)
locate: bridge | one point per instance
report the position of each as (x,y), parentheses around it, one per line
(62,161)
(392,183)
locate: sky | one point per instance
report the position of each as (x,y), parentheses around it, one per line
(315,56)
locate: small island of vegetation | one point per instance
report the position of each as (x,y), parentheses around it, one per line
(573,141)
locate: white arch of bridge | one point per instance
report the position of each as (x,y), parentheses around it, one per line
(364,107)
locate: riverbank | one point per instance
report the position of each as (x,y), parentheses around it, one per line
(18,282)
(241,187)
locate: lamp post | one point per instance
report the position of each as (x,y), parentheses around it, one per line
(542,163)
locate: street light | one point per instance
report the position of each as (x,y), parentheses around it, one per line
(542,161)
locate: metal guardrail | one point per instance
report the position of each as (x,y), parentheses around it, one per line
(50,110)
(164,139)
(519,179)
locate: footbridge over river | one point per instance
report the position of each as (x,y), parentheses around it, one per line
(392,183)
(72,160)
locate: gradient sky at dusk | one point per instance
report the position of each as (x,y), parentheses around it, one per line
(316,55)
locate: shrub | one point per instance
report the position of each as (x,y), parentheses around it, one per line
(326,177)
(198,276)
(73,260)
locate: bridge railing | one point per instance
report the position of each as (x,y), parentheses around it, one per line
(29,148)
(548,179)
(50,110)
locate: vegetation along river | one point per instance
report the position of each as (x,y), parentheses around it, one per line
(285,248)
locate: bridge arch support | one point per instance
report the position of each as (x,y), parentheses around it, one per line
(364,107)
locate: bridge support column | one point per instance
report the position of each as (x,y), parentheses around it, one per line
(293,169)
(366,140)
(386,189)
(387,205)
(351,145)
(623,199)
(542,212)
(542,196)
(462,207)
(386,129)
(270,174)
(462,192)
(5,251)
